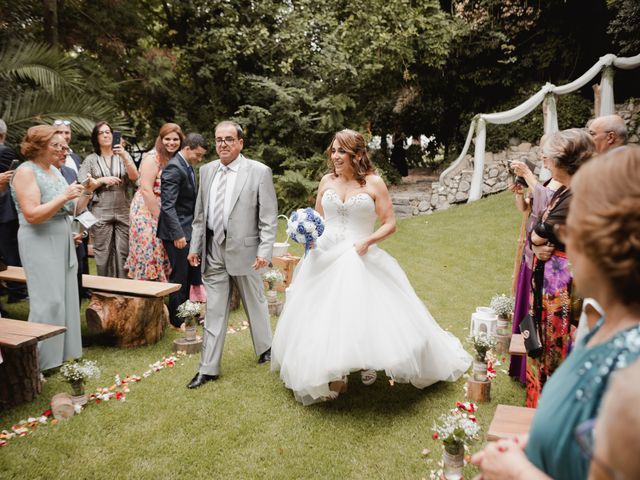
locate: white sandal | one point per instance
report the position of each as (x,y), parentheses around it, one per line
(333,394)
(368,377)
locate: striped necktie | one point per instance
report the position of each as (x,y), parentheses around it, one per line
(218,221)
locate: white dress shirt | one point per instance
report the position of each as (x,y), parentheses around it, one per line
(232,173)
(70,162)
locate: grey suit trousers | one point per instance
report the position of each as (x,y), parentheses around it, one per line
(217,282)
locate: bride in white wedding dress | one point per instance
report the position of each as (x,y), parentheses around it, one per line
(350,306)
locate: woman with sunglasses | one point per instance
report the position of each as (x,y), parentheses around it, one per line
(112,171)
(44,202)
(602,238)
(551,291)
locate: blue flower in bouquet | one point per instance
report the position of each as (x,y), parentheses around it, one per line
(305,226)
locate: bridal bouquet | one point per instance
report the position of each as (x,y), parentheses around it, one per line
(305,226)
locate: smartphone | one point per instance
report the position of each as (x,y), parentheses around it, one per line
(86,182)
(117,138)
(15,163)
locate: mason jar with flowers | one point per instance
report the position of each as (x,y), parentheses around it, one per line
(272,277)
(482,343)
(503,306)
(456,429)
(190,312)
(76,373)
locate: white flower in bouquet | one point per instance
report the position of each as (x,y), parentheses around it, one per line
(482,343)
(189,310)
(305,226)
(502,304)
(458,427)
(272,277)
(79,371)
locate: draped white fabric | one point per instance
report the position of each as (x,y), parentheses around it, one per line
(606,62)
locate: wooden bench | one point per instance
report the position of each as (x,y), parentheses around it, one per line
(132,311)
(509,421)
(19,371)
(517,345)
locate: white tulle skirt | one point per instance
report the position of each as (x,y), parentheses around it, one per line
(346,312)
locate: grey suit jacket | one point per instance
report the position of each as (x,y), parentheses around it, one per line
(252,223)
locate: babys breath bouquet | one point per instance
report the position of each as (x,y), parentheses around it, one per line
(502,305)
(189,311)
(272,277)
(482,343)
(457,428)
(305,226)
(79,371)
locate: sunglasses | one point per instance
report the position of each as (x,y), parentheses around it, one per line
(62,122)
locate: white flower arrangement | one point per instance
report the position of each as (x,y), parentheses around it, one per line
(189,310)
(482,343)
(273,276)
(458,427)
(305,226)
(79,371)
(502,304)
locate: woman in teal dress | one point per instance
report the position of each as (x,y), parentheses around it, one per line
(44,202)
(602,235)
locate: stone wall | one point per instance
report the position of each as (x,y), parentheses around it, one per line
(496,177)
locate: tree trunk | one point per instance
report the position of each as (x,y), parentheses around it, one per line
(478,391)
(19,376)
(50,14)
(133,321)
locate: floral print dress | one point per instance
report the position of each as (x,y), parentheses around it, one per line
(551,305)
(147,258)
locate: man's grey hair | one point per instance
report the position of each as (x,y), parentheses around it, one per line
(3,127)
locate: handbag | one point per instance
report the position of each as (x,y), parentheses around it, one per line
(529,332)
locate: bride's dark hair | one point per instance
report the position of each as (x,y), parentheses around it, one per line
(353,143)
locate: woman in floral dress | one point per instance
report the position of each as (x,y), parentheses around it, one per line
(551,304)
(147,258)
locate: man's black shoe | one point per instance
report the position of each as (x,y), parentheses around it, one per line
(200,379)
(265,357)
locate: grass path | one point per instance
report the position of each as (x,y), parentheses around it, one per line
(246,425)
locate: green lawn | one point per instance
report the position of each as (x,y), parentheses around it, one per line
(247,425)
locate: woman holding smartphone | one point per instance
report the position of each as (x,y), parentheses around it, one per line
(113,171)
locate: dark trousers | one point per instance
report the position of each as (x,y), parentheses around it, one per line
(11,255)
(180,273)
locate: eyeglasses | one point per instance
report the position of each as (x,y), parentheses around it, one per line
(583,435)
(593,133)
(62,122)
(104,132)
(226,141)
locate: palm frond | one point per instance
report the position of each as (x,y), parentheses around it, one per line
(40,64)
(31,108)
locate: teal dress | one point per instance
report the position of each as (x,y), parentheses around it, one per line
(49,259)
(573,395)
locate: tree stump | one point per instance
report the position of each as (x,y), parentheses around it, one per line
(275,308)
(235,297)
(187,346)
(62,406)
(133,321)
(19,376)
(502,344)
(478,391)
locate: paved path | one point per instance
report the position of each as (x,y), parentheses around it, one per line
(415,188)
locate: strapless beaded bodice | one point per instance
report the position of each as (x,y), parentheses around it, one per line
(352,219)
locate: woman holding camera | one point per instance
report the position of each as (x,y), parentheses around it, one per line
(603,244)
(112,171)
(44,202)
(551,306)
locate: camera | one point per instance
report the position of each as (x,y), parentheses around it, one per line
(15,163)
(520,180)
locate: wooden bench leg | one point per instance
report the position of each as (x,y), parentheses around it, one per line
(19,376)
(133,321)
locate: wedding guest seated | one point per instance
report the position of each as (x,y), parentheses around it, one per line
(603,243)
(551,305)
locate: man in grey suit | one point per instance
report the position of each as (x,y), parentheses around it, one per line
(234,229)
